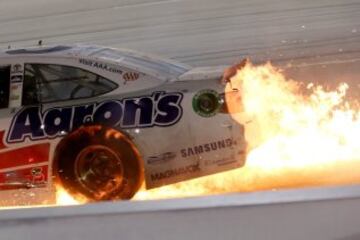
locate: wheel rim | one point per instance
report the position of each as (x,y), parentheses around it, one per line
(99,170)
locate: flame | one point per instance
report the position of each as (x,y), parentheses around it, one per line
(63,198)
(298,135)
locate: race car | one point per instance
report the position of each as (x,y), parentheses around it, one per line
(100,121)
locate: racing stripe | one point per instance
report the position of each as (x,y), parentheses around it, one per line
(24,156)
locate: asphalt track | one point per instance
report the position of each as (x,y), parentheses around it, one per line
(197,32)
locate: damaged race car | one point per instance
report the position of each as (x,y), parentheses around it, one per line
(100,121)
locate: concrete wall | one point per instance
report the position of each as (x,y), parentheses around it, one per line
(321,214)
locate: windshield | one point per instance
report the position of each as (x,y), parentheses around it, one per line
(159,66)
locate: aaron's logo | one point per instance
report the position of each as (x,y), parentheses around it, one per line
(160,109)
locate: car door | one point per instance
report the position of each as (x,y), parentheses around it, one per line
(20,163)
(59,86)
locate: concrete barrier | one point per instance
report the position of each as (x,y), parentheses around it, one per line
(327,213)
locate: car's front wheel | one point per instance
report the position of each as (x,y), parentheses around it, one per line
(98,163)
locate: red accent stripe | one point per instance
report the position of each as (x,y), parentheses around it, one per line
(24,156)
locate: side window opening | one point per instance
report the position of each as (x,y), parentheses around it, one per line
(4,86)
(44,83)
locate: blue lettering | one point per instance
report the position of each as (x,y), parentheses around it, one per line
(108,113)
(169,109)
(160,109)
(27,123)
(82,115)
(57,121)
(139,112)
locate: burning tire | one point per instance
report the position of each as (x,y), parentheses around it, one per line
(99,163)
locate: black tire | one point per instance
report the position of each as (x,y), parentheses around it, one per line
(98,163)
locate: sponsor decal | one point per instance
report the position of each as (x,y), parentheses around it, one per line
(16,68)
(175,172)
(15,87)
(16,79)
(159,109)
(221,162)
(207,147)
(14,97)
(207,103)
(162,158)
(37,175)
(100,65)
(29,177)
(27,168)
(131,76)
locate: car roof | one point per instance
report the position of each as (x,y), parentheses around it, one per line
(151,64)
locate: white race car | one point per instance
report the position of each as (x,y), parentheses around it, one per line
(99,121)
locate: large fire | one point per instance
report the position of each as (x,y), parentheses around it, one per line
(299,135)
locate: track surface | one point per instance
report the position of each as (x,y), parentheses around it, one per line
(198,32)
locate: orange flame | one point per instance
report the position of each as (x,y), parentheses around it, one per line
(63,198)
(298,137)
